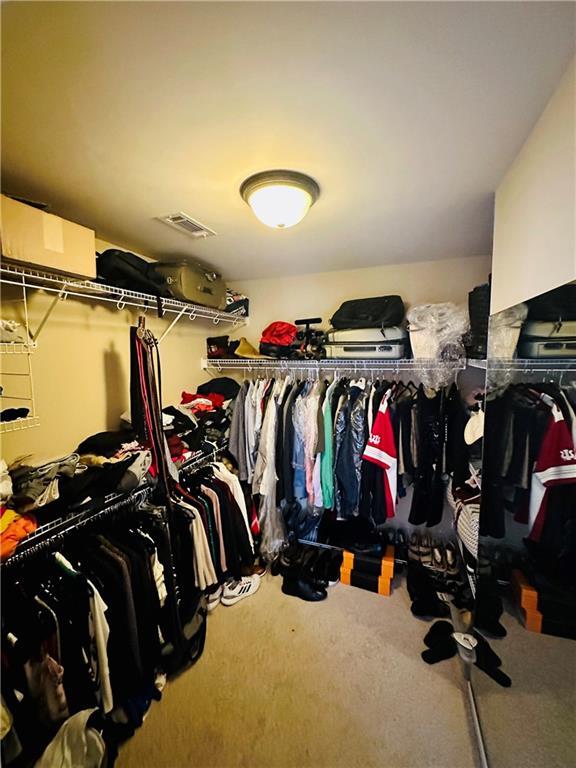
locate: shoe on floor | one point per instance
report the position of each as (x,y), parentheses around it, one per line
(214,598)
(333,570)
(304,590)
(238,590)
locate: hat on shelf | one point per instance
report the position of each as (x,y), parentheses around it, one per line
(245,349)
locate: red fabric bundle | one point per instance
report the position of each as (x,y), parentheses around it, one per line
(279,333)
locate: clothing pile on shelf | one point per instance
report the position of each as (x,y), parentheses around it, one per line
(530,473)
(13,414)
(211,407)
(200,418)
(105,463)
(347,446)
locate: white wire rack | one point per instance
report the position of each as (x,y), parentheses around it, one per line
(17,348)
(67,285)
(532,366)
(19,378)
(19,424)
(356,366)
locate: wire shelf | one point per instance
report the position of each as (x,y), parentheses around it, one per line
(331,365)
(532,366)
(67,285)
(19,424)
(17,348)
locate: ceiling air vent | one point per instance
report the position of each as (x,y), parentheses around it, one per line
(187,224)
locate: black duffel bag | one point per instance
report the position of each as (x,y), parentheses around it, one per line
(379,312)
(123,269)
(555,305)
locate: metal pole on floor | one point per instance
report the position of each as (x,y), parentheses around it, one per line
(481,746)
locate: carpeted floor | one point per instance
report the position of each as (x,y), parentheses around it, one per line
(288,684)
(532,724)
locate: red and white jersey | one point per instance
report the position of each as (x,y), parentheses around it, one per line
(555,465)
(381,449)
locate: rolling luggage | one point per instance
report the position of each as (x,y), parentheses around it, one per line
(548,340)
(192,282)
(369,343)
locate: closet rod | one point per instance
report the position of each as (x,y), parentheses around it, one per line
(52,533)
(194,464)
(322,545)
(545,365)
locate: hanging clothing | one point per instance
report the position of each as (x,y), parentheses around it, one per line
(327,455)
(381,450)
(555,466)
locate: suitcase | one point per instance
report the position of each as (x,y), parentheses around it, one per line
(371,343)
(548,340)
(192,282)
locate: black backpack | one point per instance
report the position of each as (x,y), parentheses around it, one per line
(379,312)
(123,269)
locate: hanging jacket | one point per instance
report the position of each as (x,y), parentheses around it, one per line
(381,450)
(327,456)
(237,439)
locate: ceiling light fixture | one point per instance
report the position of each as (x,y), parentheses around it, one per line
(280,199)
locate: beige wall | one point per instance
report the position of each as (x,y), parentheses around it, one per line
(320,294)
(535,217)
(82,374)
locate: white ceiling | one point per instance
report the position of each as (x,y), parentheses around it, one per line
(407,114)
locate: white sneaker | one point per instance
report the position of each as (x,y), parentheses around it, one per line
(214,599)
(238,590)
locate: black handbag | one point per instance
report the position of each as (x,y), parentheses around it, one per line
(379,312)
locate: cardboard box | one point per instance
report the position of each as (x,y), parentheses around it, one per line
(30,236)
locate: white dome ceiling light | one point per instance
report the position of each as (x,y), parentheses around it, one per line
(280,199)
